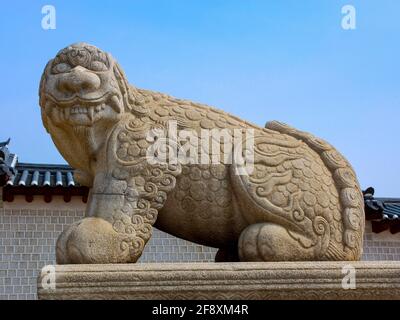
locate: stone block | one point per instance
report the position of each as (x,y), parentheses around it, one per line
(226,281)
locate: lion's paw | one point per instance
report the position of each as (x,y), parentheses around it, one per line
(91,240)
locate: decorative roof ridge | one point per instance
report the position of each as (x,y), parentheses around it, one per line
(387,200)
(43,166)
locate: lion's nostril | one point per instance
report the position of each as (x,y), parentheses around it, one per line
(78,80)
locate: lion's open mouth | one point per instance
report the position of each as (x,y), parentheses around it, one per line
(82,111)
(79,109)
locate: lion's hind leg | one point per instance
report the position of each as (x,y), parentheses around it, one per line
(271,242)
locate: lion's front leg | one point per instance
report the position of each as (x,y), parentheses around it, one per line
(117,226)
(127,193)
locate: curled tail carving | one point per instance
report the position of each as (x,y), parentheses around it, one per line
(350,195)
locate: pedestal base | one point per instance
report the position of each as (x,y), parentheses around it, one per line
(272,280)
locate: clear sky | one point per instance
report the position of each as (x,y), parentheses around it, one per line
(287,60)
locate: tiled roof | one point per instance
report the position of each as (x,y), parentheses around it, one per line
(47,180)
(384,213)
(31,180)
(41,175)
(386,208)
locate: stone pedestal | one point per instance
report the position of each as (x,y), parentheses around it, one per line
(278,280)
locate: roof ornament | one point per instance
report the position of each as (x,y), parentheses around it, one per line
(8,162)
(368,193)
(5,143)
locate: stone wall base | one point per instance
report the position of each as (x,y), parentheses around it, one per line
(272,280)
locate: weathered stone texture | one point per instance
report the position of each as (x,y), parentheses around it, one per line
(225,281)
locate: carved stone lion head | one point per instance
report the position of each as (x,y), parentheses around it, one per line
(83,92)
(83,85)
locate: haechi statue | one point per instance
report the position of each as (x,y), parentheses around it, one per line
(299,198)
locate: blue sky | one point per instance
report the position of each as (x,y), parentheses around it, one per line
(287,60)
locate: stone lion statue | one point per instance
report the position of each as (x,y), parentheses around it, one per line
(300,201)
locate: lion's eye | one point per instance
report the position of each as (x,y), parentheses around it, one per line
(61,68)
(98,66)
